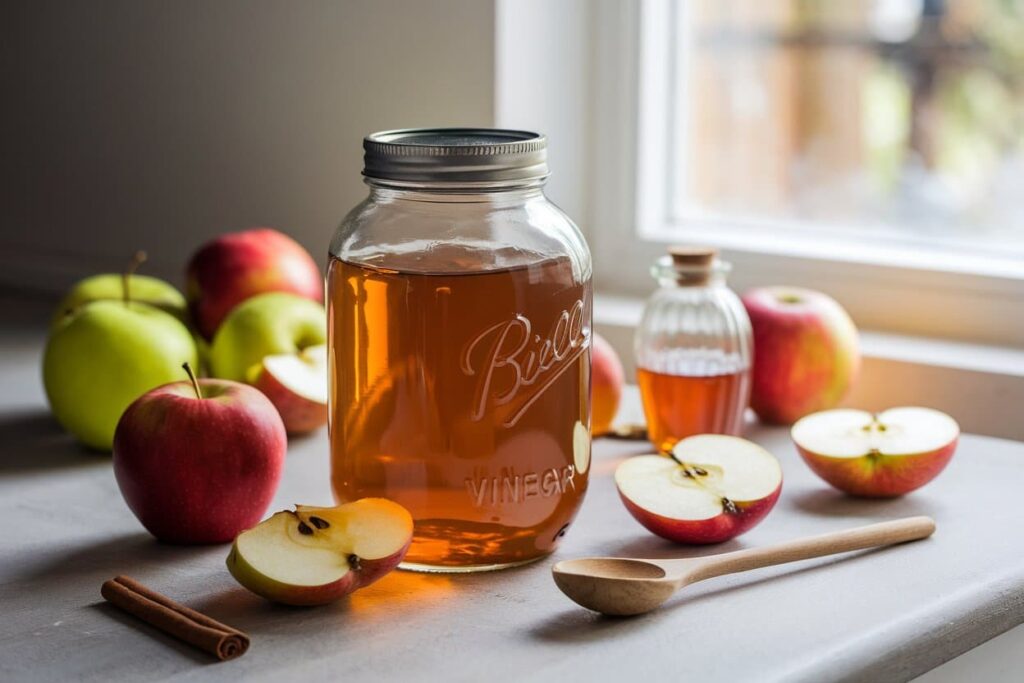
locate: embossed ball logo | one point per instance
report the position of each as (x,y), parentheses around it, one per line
(516,365)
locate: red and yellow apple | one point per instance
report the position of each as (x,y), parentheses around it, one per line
(606,381)
(276,342)
(316,555)
(199,462)
(877,456)
(228,270)
(712,488)
(806,354)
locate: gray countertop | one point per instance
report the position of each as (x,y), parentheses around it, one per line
(873,616)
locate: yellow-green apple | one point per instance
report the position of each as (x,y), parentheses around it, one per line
(606,380)
(229,269)
(252,344)
(124,286)
(199,461)
(877,456)
(143,289)
(711,488)
(105,354)
(806,352)
(316,555)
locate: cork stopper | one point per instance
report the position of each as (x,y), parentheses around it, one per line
(691,256)
(693,264)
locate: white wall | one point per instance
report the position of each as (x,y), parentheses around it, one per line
(133,124)
(543,83)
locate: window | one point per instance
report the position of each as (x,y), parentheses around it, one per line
(899,122)
(871,149)
(889,131)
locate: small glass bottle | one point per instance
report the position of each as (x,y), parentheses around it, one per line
(693,349)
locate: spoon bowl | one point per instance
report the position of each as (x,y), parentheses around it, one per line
(621,586)
(614,586)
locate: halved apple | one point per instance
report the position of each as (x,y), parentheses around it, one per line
(296,383)
(877,456)
(315,555)
(712,488)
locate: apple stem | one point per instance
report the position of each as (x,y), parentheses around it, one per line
(192,376)
(126,276)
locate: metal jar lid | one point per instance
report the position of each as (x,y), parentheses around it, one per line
(462,155)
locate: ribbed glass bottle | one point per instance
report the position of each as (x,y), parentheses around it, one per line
(693,350)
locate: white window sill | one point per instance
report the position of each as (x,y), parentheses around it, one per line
(981,385)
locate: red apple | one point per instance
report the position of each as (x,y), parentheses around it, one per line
(712,488)
(296,383)
(805,352)
(606,380)
(199,462)
(230,269)
(317,555)
(877,456)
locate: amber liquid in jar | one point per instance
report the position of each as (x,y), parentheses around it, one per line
(678,406)
(462,393)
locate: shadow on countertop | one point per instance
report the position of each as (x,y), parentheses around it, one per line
(827,502)
(32,440)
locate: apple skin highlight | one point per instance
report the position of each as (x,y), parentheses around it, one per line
(718,529)
(879,476)
(199,471)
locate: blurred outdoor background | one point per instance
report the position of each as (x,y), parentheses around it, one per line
(899,118)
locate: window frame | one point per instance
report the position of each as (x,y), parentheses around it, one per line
(886,287)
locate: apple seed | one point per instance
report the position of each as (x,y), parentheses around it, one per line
(305,529)
(319,523)
(353,561)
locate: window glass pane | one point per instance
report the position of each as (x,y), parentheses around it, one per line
(901,119)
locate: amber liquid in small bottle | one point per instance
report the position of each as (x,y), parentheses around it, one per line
(463,394)
(678,406)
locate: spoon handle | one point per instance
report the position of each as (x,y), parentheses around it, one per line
(870,536)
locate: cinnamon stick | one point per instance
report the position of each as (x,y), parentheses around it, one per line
(175,619)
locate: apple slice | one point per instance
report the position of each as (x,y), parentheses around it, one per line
(877,456)
(296,383)
(712,488)
(313,555)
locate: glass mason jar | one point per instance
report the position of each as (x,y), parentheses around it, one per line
(459,323)
(693,350)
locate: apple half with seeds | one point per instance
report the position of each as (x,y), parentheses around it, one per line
(316,555)
(877,455)
(711,488)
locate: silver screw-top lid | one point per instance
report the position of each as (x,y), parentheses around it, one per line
(462,155)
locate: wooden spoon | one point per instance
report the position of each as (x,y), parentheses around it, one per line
(623,586)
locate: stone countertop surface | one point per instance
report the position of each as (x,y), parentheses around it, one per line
(881,615)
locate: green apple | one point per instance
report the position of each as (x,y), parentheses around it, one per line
(265,325)
(103,356)
(144,289)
